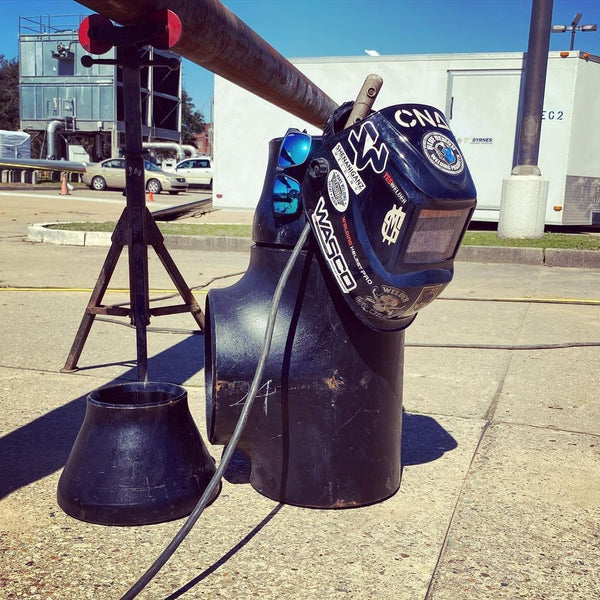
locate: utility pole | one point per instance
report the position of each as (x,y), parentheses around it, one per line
(524,193)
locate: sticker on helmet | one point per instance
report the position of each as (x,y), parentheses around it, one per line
(413,116)
(442,153)
(392,225)
(385,302)
(395,188)
(337,190)
(367,150)
(331,248)
(428,294)
(348,169)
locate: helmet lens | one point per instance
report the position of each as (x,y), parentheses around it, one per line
(436,235)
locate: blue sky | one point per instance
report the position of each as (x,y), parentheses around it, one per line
(348,27)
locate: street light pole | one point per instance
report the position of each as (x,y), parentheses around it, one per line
(574,24)
(573,28)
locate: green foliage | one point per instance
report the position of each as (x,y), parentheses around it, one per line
(472,238)
(192,120)
(9,93)
(171,228)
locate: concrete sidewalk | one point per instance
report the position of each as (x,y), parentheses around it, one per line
(501,458)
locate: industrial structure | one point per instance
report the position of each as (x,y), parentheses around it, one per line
(78,111)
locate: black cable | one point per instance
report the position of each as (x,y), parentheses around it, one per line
(173,330)
(556,346)
(196,287)
(561,301)
(206,497)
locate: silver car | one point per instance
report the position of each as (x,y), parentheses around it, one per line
(110,173)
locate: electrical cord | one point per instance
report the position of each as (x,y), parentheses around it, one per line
(568,301)
(198,287)
(555,346)
(172,330)
(506,346)
(5,288)
(145,579)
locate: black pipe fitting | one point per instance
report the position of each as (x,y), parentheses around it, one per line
(325,428)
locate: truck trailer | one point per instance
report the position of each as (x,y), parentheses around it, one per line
(481,96)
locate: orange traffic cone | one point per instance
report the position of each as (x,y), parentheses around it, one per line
(150,197)
(64,189)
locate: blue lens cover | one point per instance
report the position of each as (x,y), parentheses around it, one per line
(286,195)
(294,149)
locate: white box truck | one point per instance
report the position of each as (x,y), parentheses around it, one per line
(481,95)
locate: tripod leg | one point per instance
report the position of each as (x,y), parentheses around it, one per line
(155,238)
(96,298)
(180,284)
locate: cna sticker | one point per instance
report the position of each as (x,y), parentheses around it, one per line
(338,190)
(442,153)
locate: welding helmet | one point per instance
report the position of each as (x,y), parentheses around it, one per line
(388,200)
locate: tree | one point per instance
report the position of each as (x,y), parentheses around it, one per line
(9,93)
(192,120)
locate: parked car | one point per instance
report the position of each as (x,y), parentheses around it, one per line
(110,173)
(197,171)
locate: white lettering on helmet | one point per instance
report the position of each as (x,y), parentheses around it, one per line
(331,248)
(411,117)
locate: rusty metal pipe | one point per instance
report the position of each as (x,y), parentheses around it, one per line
(214,38)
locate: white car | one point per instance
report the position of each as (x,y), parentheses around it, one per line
(197,171)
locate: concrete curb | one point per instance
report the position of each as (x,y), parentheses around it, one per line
(39,232)
(497,254)
(561,257)
(208,243)
(551,257)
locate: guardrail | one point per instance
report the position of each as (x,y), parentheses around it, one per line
(31,170)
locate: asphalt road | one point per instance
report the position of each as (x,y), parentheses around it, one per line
(33,205)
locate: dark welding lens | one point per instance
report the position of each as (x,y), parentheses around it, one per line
(286,195)
(294,149)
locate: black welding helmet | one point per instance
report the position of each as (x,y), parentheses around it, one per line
(389,200)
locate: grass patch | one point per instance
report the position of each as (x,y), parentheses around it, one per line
(209,229)
(571,241)
(472,238)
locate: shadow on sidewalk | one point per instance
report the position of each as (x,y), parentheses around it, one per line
(423,440)
(43,446)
